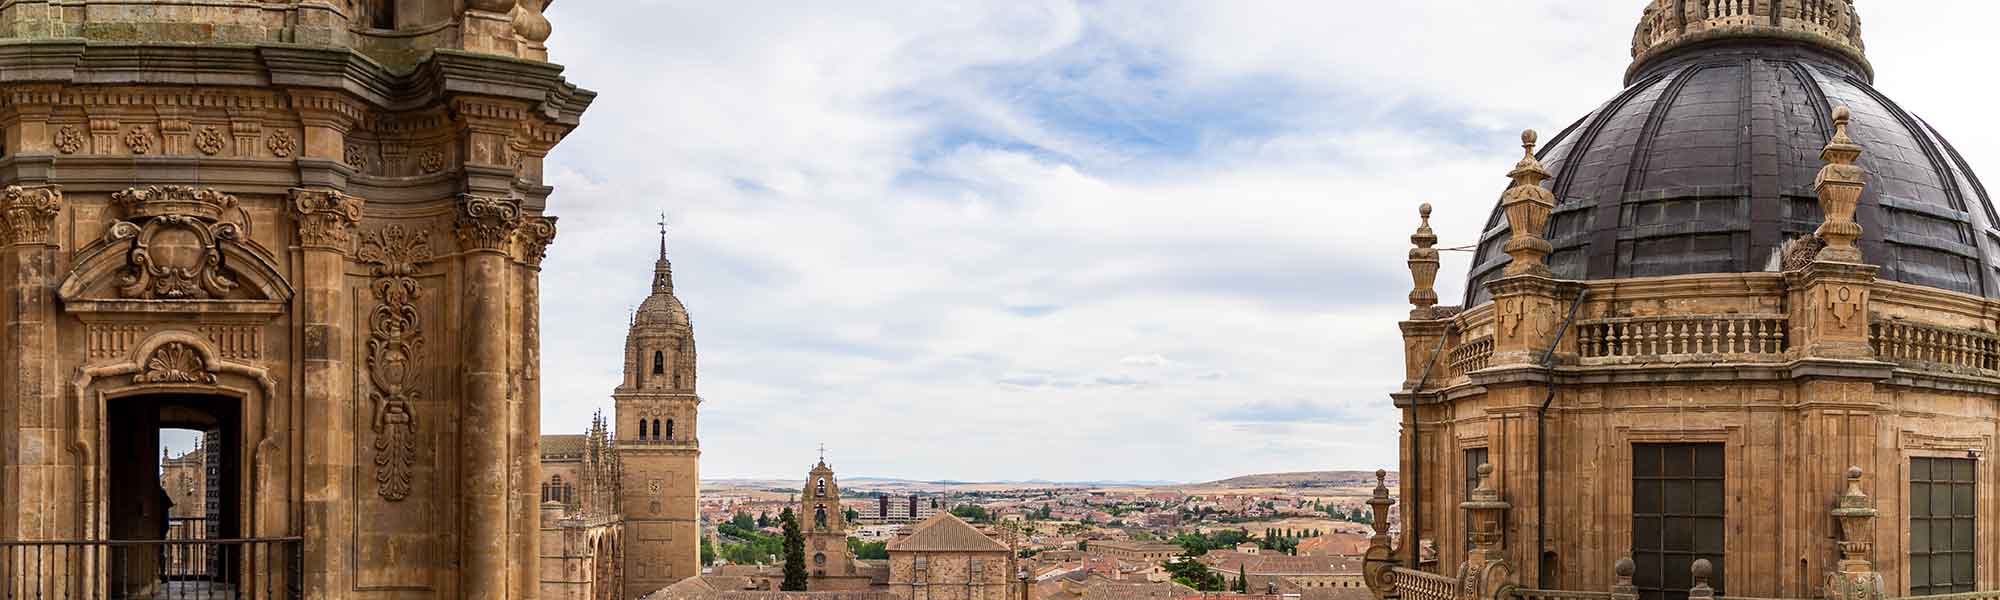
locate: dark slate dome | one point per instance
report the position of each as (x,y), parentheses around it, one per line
(1706,162)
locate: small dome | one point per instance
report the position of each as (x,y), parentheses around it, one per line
(661,309)
(1706,164)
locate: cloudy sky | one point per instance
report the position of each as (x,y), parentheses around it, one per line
(1143,239)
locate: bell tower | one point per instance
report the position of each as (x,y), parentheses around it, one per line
(655,418)
(824,522)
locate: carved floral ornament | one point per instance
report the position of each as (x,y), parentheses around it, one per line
(281,144)
(487,224)
(395,339)
(176,240)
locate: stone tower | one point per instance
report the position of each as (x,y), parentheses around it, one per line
(311,230)
(657,446)
(824,522)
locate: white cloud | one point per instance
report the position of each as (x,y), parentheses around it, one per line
(976,240)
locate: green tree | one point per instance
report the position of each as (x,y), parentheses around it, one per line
(853,515)
(1082,545)
(795,554)
(1242,581)
(743,520)
(763,520)
(868,550)
(971,512)
(707,552)
(1188,571)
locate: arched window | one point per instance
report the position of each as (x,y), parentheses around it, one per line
(670,430)
(659,362)
(677,381)
(820,487)
(642,429)
(656,430)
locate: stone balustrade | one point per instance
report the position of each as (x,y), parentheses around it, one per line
(1698,337)
(1412,584)
(1470,355)
(1926,346)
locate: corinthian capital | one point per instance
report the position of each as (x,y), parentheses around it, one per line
(326,218)
(486,224)
(535,235)
(31,212)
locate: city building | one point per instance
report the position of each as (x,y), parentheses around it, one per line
(583,529)
(945,558)
(1136,551)
(309,230)
(1730,333)
(889,508)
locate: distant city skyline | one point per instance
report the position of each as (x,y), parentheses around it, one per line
(1068,240)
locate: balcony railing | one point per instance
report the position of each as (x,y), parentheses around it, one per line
(1685,337)
(1412,584)
(1471,355)
(236,569)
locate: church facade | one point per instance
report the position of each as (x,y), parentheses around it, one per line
(1730,333)
(311,230)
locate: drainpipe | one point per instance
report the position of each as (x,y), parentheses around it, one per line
(1542,443)
(1413,516)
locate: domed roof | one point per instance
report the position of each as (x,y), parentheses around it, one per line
(661,309)
(1705,163)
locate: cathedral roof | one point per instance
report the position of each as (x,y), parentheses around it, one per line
(563,445)
(1706,162)
(945,533)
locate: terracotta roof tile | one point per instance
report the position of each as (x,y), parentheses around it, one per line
(945,533)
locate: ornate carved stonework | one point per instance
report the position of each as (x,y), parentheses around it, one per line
(138,140)
(486,224)
(175,362)
(395,336)
(176,242)
(326,217)
(356,157)
(281,144)
(431,160)
(69,140)
(31,212)
(535,235)
(209,141)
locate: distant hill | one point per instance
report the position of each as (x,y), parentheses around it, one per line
(1300,479)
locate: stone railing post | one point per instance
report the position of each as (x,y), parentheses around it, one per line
(1623,589)
(1486,574)
(1701,590)
(1855,577)
(1830,295)
(1381,555)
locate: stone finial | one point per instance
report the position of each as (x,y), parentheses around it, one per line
(1624,569)
(1840,184)
(1855,578)
(1423,266)
(1702,571)
(1379,504)
(1380,558)
(1528,206)
(1485,510)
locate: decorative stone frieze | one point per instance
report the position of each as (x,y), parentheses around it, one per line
(281,144)
(486,224)
(175,362)
(68,140)
(31,212)
(138,140)
(209,141)
(326,217)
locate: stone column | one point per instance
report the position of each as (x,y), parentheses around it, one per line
(41,500)
(533,240)
(484,228)
(326,220)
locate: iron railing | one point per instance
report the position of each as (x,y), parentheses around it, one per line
(230,569)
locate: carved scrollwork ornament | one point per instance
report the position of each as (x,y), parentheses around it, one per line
(188,263)
(30,212)
(535,235)
(431,160)
(486,224)
(395,339)
(326,217)
(356,157)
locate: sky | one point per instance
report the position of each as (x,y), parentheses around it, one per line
(1071,240)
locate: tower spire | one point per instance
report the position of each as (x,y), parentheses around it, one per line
(663,270)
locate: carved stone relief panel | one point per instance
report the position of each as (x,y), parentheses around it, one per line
(395,339)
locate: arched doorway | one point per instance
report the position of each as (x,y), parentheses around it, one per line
(149,553)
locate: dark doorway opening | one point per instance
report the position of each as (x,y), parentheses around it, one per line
(163,508)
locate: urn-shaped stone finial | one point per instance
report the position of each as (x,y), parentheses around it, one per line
(1423,266)
(1840,184)
(1528,206)
(1855,578)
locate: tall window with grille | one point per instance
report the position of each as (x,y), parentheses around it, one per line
(1678,511)
(1473,458)
(1943,525)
